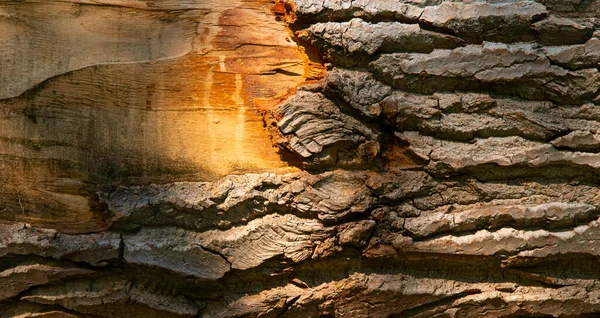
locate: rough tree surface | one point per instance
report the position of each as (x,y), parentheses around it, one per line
(305,158)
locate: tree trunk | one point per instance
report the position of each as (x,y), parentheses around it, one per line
(307,158)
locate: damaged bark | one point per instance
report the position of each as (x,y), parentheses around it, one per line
(191,158)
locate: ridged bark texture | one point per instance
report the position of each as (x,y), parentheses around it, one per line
(447,165)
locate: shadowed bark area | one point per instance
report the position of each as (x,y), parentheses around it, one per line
(306,158)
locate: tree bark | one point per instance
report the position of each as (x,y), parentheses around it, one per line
(366,158)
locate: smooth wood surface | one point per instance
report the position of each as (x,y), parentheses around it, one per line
(102,93)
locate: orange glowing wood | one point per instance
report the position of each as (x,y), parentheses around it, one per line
(123,92)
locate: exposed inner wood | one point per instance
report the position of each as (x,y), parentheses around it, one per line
(446,165)
(102,93)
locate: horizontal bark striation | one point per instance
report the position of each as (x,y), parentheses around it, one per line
(447,164)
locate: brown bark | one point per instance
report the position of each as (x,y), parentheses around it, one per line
(192,158)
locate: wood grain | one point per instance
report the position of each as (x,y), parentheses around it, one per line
(96,94)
